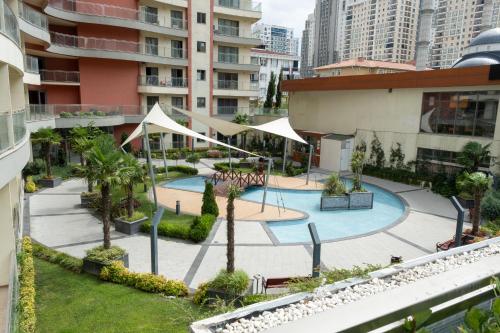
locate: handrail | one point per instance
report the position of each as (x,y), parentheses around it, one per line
(236,85)
(59,76)
(47,111)
(230,58)
(8,23)
(33,16)
(240,4)
(157,81)
(12,129)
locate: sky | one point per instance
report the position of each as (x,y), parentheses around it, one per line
(288,13)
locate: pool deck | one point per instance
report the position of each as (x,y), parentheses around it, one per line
(55,218)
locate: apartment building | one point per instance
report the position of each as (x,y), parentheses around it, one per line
(307,49)
(115,59)
(276,38)
(362,66)
(326,30)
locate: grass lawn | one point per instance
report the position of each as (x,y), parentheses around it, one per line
(69,302)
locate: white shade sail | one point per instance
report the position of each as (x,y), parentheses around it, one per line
(280,127)
(158,122)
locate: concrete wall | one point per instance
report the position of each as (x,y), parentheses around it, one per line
(62,94)
(330,155)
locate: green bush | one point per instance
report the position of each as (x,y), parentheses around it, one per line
(66,115)
(405,176)
(33,168)
(291,171)
(29,186)
(193,158)
(334,186)
(209,205)
(200,294)
(117,273)
(231,283)
(184,169)
(26,305)
(200,228)
(105,256)
(56,257)
(180,231)
(257,298)
(135,216)
(490,206)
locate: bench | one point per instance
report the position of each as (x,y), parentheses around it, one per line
(271,283)
(446,245)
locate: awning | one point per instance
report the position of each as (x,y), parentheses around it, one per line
(158,122)
(280,127)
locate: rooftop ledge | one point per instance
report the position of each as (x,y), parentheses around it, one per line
(445,282)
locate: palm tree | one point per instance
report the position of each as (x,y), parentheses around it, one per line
(473,154)
(47,138)
(135,174)
(233,192)
(78,133)
(477,184)
(107,164)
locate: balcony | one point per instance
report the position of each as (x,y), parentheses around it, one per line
(97,13)
(235,62)
(153,84)
(9,38)
(79,46)
(242,8)
(58,77)
(233,35)
(235,88)
(34,23)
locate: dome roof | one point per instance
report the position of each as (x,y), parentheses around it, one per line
(491,36)
(476,61)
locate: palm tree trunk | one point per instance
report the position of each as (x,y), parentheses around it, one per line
(130,199)
(477,212)
(106,211)
(47,161)
(230,234)
(82,161)
(90,185)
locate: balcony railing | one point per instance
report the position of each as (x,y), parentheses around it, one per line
(12,129)
(8,22)
(158,81)
(105,10)
(227,58)
(31,64)
(236,85)
(226,30)
(33,16)
(113,45)
(241,4)
(256,111)
(47,111)
(231,110)
(59,76)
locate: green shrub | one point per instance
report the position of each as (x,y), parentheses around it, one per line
(334,186)
(200,294)
(26,305)
(56,257)
(200,228)
(66,115)
(29,186)
(234,284)
(490,206)
(117,273)
(105,256)
(193,158)
(180,231)
(221,166)
(33,168)
(257,298)
(291,171)
(184,169)
(209,205)
(135,216)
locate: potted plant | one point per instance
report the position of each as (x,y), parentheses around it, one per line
(47,138)
(334,194)
(99,257)
(228,286)
(359,198)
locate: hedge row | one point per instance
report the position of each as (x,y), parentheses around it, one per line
(62,259)
(117,273)
(197,232)
(200,228)
(179,168)
(26,306)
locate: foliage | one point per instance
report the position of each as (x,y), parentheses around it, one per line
(200,294)
(397,157)
(33,168)
(257,298)
(62,259)
(184,169)
(46,138)
(444,184)
(26,305)
(134,174)
(179,231)
(117,273)
(357,163)
(209,205)
(414,323)
(490,206)
(29,186)
(233,192)
(377,155)
(136,216)
(473,154)
(476,183)
(193,158)
(291,171)
(103,255)
(241,118)
(398,175)
(200,228)
(334,186)
(361,146)
(234,283)
(128,147)
(278,90)
(271,91)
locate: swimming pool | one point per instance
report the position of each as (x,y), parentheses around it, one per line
(331,225)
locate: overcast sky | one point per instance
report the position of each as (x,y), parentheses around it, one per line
(288,13)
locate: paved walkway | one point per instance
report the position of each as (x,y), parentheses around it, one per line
(58,221)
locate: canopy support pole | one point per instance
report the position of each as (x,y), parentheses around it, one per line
(269,162)
(284,156)
(229,143)
(163,150)
(309,163)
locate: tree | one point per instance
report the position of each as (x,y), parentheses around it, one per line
(377,155)
(271,91)
(233,192)
(209,205)
(278,91)
(397,157)
(76,135)
(107,163)
(473,154)
(135,175)
(128,146)
(357,162)
(47,138)
(477,184)
(193,158)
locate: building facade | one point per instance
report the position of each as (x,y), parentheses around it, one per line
(362,66)
(276,38)
(307,48)
(326,15)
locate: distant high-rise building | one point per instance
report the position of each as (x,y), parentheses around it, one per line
(325,32)
(424,34)
(307,49)
(276,38)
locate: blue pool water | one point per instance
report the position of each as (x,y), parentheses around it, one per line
(331,225)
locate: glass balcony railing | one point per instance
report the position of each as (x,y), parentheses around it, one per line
(226,30)
(241,4)
(98,9)
(12,129)
(228,58)
(33,16)
(31,64)
(47,111)
(158,81)
(59,76)
(236,85)
(8,22)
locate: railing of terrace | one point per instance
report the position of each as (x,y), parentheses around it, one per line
(31,64)
(12,129)
(241,4)
(59,76)
(47,111)
(158,81)
(33,16)
(8,23)
(236,85)
(229,58)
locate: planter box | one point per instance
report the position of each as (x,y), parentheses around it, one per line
(360,200)
(213,295)
(129,228)
(466,203)
(87,200)
(334,202)
(56,181)
(94,267)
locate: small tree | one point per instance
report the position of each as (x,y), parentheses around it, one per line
(176,155)
(134,174)
(397,157)
(477,184)
(47,138)
(271,91)
(193,158)
(473,154)
(209,205)
(377,155)
(233,193)
(278,91)
(357,163)
(76,134)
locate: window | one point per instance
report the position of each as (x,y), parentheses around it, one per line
(151,101)
(227,81)
(227,105)
(177,50)
(200,140)
(152,78)
(228,27)
(200,75)
(177,79)
(151,46)
(178,102)
(200,102)
(150,14)
(201,18)
(201,46)
(176,20)
(228,54)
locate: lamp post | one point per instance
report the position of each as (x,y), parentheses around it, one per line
(460,221)
(316,266)
(163,149)
(269,162)
(284,156)
(309,163)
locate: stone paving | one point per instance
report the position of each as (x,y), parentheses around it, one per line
(57,221)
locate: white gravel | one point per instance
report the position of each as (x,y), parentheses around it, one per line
(324,299)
